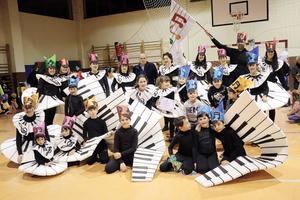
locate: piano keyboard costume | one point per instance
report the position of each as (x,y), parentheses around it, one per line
(252,125)
(65,146)
(42,164)
(171,72)
(200,70)
(151,145)
(145,97)
(107,111)
(100,75)
(49,91)
(168,93)
(88,87)
(24,141)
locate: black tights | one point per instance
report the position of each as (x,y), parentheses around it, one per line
(169,122)
(49,116)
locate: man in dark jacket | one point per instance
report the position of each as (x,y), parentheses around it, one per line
(146,68)
(237,56)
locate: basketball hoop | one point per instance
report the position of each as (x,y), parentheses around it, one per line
(237,18)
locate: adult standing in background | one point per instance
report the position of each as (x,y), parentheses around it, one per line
(295,73)
(237,56)
(146,68)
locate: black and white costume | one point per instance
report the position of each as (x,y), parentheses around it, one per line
(123,81)
(171,72)
(49,95)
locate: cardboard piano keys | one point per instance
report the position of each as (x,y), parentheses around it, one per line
(151,145)
(107,111)
(252,125)
(81,154)
(88,87)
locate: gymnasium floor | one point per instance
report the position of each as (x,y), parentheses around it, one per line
(90,182)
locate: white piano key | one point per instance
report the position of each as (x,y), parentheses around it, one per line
(248,163)
(225,177)
(241,168)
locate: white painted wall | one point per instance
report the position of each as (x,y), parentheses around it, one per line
(284,21)
(43,36)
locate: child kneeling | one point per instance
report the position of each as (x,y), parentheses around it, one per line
(183,159)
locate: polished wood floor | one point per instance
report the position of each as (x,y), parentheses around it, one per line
(90,182)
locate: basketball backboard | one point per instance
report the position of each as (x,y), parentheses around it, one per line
(223,11)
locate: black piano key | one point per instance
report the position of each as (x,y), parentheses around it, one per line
(84,92)
(148,138)
(207,177)
(143,127)
(223,170)
(215,173)
(108,111)
(250,161)
(138,177)
(79,88)
(108,117)
(239,162)
(265,141)
(268,159)
(241,126)
(236,116)
(141,167)
(248,133)
(150,146)
(269,154)
(102,108)
(144,154)
(147,159)
(139,172)
(136,121)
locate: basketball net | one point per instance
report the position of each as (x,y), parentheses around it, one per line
(237,19)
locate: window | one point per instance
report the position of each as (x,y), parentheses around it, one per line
(52,8)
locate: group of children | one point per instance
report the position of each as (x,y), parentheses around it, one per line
(194,119)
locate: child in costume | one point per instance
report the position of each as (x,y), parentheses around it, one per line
(74,103)
(192,105)
(233,145)
(276,72)
(217,92)
(235,89)
(24,123)
(125,78)
(64,74)
(168,69)
(204,147)
(99,74)
(95,126)
(183,159)
(125,143)
(49,90)
(200,68)
(43,150)
(260,86)
(227,70)
(183,75)
(142,91)
(68,142)
(165,90)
